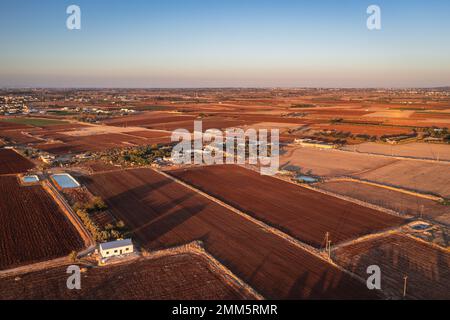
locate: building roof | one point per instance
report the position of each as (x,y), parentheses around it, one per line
(115,244)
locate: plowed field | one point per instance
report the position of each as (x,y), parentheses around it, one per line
(12,162)
(162,213)
(180,277)
(303,213)
(33,228)
(427,267)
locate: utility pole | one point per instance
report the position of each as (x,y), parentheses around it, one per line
(405,280)
(421,211)
(328,244)
(329,249)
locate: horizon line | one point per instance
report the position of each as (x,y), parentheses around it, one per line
(221,87)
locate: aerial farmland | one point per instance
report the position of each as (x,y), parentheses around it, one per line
(224,159)
(359,183)
(302,215)
(29,213)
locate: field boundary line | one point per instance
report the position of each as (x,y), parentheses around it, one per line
(38,266)
(414,192)
(361,203)
(372,236)
(261,224)
(342,197)
(395,157)
(269,229)
(388,187)
(431,244)
(361,172)
(197,248)
(410,158)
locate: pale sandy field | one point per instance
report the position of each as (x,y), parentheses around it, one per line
(390,199)
(390,114)
(330,163)
(415,175)
(421,176)
(414,150)
(272,125)
(104,129)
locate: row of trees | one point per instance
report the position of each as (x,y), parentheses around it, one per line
(142,155)
(85,210)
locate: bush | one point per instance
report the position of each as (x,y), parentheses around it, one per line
(97,204)
(73,256)
(109,226)
(108,233)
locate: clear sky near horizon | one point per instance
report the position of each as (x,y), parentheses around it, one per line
(227,43)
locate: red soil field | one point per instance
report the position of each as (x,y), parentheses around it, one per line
(207,123)
(55,131)
(363,129)
(149,119)
(431,115)
(17,136)
(254,118)
(62,127)
(427,266)
(162,214)
(56,148)
(303,213)
(33,226)
(12,125)
(94,143)
(338,112)
(177,277)
(12,162)
(422,123)
(149,134)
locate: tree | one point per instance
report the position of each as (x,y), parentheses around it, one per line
(97,203)
(120,224)
(109,226)
(73,256)
(116,234)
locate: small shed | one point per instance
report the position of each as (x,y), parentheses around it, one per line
(116,248)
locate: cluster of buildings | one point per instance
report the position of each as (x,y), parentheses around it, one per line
(15,105)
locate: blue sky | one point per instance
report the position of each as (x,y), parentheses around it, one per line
(199,43)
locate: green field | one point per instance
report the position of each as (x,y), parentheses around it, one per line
(152,108)
(61,112)
(36,122)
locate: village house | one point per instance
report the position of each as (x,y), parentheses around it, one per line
(116,248)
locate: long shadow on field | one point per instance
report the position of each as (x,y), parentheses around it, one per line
(165,224)
(159,211)
(427,271)
(146,203)
(328,286)
(143,189)
(150,210)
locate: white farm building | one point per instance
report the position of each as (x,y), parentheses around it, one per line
(116,248)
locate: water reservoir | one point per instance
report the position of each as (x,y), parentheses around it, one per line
(306,179)
(30,179)
(65,181)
